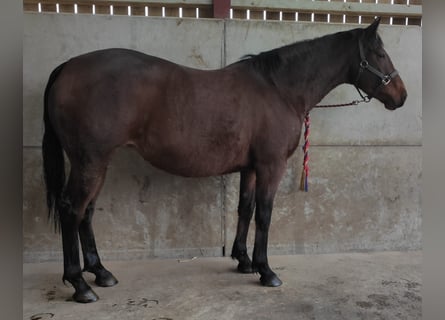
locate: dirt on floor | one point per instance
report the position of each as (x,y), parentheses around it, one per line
(383,285)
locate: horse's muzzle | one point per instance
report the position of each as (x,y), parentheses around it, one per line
(393,105)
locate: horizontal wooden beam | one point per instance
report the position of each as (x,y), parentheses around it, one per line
(349,8)
(175,3)
(161,2)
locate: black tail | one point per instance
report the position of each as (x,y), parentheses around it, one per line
(53,160)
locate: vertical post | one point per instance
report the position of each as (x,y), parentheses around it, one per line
(221,9)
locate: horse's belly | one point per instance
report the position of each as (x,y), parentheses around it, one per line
(195,160)
(195,165)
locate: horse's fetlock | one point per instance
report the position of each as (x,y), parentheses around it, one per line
(262,267)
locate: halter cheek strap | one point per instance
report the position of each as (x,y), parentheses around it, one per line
(364,65)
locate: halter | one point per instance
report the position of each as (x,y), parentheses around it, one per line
(364,65)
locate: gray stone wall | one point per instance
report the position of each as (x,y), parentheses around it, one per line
(365,161)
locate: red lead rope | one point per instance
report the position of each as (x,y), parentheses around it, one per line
(305,172)
(307,123)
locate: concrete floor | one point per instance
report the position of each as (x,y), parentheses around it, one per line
(333,286)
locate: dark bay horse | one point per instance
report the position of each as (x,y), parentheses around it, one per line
(245,118)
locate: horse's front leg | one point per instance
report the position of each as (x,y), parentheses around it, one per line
(268,178)
(245,210)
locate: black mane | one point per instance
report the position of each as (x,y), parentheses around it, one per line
(268,62)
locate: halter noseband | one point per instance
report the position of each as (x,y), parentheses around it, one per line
(364,65)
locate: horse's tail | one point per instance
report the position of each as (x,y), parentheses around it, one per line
(53,159)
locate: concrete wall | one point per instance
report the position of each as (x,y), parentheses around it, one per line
(365,161)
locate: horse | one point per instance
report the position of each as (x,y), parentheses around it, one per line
(245,117)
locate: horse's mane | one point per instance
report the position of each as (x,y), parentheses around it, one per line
(267,62)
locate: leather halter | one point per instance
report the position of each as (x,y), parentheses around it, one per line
(364,65)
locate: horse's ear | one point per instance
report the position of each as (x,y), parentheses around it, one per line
(372,29)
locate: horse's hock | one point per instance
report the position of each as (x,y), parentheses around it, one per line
(365,161)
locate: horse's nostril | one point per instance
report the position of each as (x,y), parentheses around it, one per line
(403,96)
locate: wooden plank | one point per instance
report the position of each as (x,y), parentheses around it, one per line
(154,11)
(304,16)
(289,16)
(256,14)
(205,12)
(66,8)
(85,8)
(48,7)
(414,21)
(171,12)
(239,14)
(385,20)
(189,12)
(399,21)
(336,18)
(138,10)
(321,17)
(120,10)
(30,7)
(102,9)
(367,19)
(272,15)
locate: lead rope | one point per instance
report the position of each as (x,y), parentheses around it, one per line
(304,186)
(305,173)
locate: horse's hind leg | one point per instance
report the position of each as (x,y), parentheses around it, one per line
(91,259)
(81,187)
(245,210)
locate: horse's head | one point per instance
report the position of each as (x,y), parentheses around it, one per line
(374,73)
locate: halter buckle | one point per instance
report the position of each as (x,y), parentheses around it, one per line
(386,80)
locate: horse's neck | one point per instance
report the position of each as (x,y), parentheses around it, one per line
(308,81)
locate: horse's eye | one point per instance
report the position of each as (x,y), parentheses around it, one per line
(380,54)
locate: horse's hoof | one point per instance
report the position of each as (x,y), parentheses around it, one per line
(270,281)
(86,296)
(243,268)
(105,279)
